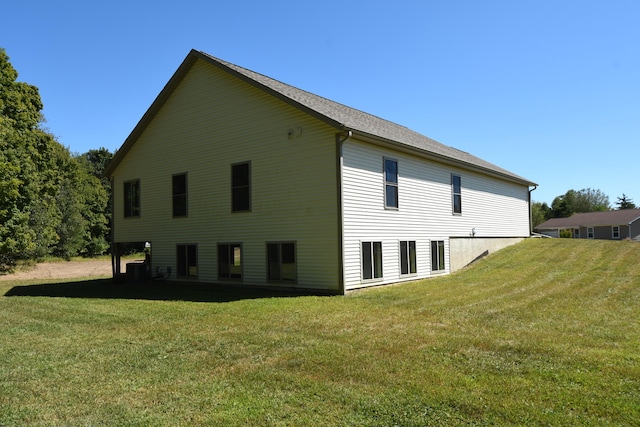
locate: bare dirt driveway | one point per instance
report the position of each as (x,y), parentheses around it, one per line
(64,270)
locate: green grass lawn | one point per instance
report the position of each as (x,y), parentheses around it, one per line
(546,332)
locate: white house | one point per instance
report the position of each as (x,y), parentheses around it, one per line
(237,178)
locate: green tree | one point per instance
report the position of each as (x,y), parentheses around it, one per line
(625,203)
(50,201)
(25,193)
(72,228)
(585,200)
(95,162)
(540,212)
(82,201)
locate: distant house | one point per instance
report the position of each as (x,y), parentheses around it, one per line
(609,225)
(234,177)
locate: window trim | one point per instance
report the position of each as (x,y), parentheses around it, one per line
(229,246)
(591,233)
(440,254)
(185,194)
(373,261)
(391,184)
(576,233)
(456,197)
(188,274)
(613,232)
(411,260)
(280,279)
(134,211)
(248,186)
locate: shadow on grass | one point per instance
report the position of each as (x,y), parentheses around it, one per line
(161,291)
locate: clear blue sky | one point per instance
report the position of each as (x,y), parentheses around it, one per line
(549,90)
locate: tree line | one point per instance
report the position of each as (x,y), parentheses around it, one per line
(52,203)
(55,203)
(585,200)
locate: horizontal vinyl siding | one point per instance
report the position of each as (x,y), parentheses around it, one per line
(492,207)
(211,121)
(634,230)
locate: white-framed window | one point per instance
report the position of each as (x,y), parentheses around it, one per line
(615,231)
(590,232)
(576,233)
(230,260)
(408,263)
(281,262)
(390,184)
(437,255)
(456,194)
(371,260)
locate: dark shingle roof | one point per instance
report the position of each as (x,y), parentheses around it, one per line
(592,219)
(348,118)
(338,115)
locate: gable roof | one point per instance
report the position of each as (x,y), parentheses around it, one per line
(343,118)
(592,219)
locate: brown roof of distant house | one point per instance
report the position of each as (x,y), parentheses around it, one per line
(338,115)
(592,219)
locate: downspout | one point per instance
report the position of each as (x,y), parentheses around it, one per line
(341,138)
(531,210)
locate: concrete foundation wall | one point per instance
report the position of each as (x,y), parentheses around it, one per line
(463,251)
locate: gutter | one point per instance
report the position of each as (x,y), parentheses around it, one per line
(341,138)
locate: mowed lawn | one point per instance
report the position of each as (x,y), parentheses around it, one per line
(546,332)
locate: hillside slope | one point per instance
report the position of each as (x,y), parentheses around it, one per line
(546,332)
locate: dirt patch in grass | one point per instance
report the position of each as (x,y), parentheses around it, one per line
(64,270)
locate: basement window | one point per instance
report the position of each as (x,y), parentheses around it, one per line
(230,261)
(187,260)
(281,262)
(408,257)
(371,260)
(437,255)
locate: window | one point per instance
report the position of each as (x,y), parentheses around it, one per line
(187,260)
(590,232)
(132,198)
(371,260)
(457,194)
(281,262)
(615,231)
(437,255)
(230,261)
(576,233)
(241,187)
(390,183)
(408,257)
(179,189)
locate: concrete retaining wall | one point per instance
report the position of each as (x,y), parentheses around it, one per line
(463,251)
